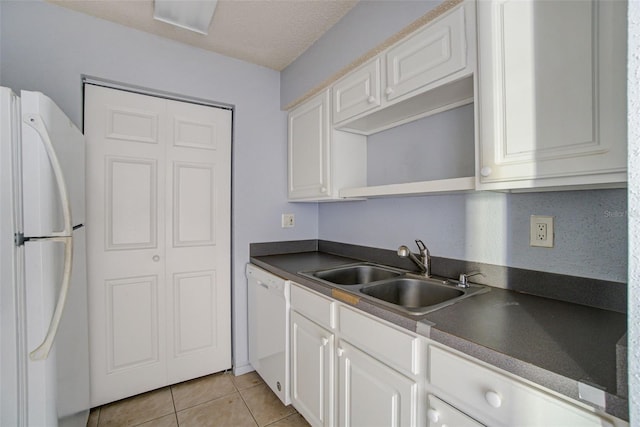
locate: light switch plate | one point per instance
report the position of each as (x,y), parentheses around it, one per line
(288,220)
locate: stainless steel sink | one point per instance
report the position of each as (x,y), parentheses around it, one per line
(413,293)
(417,296)
(359,274)
(394,288)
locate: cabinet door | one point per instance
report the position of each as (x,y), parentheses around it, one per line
(372,394)
(437,51)
(357,92)
(312,371)
(441,414)
(551,92)
(309,133)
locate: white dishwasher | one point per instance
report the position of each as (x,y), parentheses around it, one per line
(268,306)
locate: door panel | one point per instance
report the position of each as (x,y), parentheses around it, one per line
(194,192)
(132,188)
(132,343)
(158,202)
(194,304)
(132,125)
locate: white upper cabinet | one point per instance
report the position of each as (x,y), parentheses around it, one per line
(428,71)
(357,92)
(551,104)
(437,51)
(309,148)
(322,160)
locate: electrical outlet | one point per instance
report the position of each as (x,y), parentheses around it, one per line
(541,231)
(288,220)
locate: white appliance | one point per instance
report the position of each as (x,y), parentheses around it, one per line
(44,360)
(269,329)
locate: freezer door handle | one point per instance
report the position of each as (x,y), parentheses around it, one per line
(36,122)
(42,352)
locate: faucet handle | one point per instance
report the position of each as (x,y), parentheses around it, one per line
(422,247)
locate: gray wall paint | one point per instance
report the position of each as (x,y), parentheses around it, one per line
(436,147)
(48,48)
(633,99)
(367,25)
(591,228)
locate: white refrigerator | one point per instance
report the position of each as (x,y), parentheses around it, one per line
(44,361)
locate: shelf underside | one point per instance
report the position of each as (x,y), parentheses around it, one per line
(452,185)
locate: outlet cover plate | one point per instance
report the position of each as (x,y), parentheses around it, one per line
(541,231)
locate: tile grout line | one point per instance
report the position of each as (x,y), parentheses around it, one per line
(251,412)
(173,401)
(247,406)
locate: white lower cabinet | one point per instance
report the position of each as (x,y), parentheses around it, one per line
(441,414)
(497,399)
(352,369)
(358,371)
(312,370)
(371,394)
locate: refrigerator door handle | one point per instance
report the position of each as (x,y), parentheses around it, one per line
(42,352)
(36,122)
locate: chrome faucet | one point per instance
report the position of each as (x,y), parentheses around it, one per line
(425,257)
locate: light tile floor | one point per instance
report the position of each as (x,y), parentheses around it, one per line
(215,400)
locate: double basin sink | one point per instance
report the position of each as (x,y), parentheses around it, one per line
(398,289)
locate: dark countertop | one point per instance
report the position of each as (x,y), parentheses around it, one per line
(553,343)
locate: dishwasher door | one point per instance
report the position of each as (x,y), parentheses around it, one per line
(268,304)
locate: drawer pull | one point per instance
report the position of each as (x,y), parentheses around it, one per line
(493,399)
(433,415)
(325,341)
(340,352)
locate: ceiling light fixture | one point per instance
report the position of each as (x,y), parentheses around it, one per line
(193,15)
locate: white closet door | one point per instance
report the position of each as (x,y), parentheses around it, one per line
(198,254)
(158,227)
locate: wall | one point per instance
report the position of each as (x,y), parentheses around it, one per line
(494,228)
(367,25)
(633,99)
(47,48)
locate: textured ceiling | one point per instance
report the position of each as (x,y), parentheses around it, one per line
(271,33)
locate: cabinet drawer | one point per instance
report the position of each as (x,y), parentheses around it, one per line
(499,400)
(399,349)
(313,305)
(440,413)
